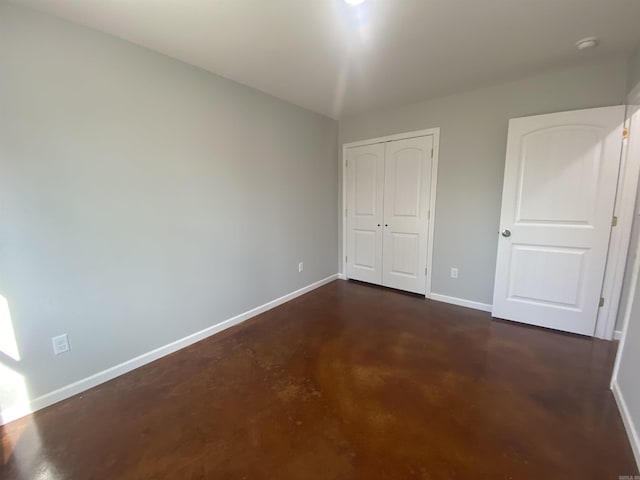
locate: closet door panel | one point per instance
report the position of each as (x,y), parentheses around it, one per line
(365,186)
(407,186)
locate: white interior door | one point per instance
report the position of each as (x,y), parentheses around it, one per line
(365,186)
(407,188)
(557,204)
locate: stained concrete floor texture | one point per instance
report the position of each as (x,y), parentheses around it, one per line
(350,381)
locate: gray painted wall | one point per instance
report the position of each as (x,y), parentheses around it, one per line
(627,377)
(633,76)
(142,199)
(471,164)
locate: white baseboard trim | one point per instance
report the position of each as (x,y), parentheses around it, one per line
(617,334)
(342,276)
(13,413)
(634,438)
(485,307)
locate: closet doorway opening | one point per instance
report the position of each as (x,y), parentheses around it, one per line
(389,195)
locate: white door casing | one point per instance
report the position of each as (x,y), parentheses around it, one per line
(365,187)
(559,189)
(406,213)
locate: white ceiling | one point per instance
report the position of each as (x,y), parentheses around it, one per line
(339,60)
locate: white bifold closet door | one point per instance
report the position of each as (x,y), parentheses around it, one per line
(388,191)
(365,189)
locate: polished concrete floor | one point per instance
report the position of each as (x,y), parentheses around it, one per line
(348,382)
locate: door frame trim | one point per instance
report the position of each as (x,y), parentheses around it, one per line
(633,108)
(619,240)
(435,132)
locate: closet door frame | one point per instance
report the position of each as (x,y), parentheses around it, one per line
(433,132)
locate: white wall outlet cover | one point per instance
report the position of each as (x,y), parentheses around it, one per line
(300,267)
(60,344)
(454,273)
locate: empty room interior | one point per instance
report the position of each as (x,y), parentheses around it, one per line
(320,239)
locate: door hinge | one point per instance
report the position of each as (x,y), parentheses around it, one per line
(346,259)
(425,270)
(346,212)
(601,304)
(614,221)
(625,133)
(428,214)
(346,163)
(432,153)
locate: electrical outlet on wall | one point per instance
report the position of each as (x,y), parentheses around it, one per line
(300,267)
(454,272)
(60,344)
